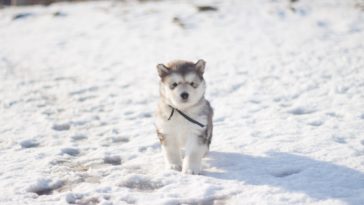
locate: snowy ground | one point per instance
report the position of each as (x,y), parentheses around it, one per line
(78,86)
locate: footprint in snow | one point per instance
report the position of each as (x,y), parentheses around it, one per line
(70,151)
(45,186)
(30,143)
(85,90)
(127,113)
(300,111)
(141,183)
(285,173)
(91,200)
(82,99)
(113,160)
(362,116)
(78,137)
(150,148)
(120,139)
(73,198)
(340,140)
(61,127)
(146,115)
(322,24)
(316,123)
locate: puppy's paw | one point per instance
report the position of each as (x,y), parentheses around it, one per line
(175,167)
(191,171)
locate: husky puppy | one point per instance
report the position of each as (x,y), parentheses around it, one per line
(183,116)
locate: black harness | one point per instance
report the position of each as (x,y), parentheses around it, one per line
(185,116)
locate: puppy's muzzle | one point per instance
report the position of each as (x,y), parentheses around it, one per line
(184,96)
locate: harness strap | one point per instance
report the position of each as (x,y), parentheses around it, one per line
(185,116)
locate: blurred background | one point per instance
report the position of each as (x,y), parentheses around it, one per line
(30,2)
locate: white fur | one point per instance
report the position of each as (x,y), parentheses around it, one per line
(180,134)
(183,135)
(173,96)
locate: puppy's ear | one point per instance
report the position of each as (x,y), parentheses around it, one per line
(200,66)
(162,70)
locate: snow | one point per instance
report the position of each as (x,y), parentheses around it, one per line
(78,87)
(44,186)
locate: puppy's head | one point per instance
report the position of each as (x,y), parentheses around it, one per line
(182,83)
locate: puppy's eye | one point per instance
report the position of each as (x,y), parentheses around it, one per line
(193,84)
(174,85)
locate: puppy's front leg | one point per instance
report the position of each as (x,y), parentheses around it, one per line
(172,156)
(193,155)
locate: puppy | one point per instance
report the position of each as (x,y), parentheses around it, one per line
(183,115)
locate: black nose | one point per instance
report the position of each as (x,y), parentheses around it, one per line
(184,96)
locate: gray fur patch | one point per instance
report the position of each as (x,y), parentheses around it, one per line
(180,67)
(161,137)
(203,139)
(206,136)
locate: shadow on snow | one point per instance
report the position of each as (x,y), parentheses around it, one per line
(318,179)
